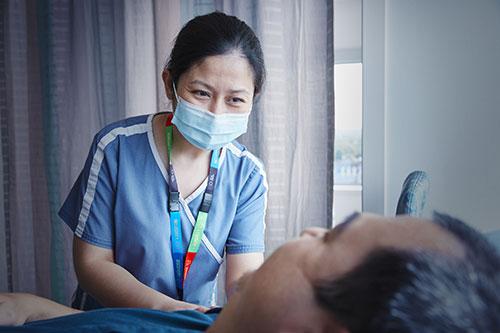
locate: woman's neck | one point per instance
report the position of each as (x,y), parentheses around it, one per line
(183,150)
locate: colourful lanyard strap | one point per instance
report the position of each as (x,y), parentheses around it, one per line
(175,217)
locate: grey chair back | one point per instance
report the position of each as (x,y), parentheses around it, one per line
(413,195)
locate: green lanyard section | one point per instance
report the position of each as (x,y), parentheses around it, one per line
(201,219)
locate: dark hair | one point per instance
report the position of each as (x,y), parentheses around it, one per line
(419,291)
(216,34)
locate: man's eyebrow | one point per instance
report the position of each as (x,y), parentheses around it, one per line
(331,235)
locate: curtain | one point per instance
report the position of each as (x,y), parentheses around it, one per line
(69,67)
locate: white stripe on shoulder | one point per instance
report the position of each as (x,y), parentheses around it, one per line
(95,168)
(240,153)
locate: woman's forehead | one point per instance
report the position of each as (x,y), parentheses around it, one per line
(227,66)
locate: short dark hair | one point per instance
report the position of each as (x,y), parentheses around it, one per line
(216,34)
(420,291)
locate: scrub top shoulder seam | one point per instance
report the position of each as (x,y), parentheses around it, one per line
(95,168)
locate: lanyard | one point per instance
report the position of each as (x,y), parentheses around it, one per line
(181,264)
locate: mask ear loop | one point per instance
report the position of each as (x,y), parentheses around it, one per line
(175,92)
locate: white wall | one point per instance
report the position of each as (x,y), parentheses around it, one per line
(441,104)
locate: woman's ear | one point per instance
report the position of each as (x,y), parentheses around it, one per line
(167,82)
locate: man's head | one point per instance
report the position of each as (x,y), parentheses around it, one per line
(373,274)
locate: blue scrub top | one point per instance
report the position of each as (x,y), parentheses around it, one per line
(119,202)
(121,320)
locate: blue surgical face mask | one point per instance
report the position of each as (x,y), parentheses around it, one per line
(204,129)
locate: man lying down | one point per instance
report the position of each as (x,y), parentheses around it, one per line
(368,274)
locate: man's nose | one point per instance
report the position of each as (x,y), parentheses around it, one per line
(313,232)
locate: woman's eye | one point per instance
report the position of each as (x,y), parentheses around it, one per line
(201,93)
(236,100)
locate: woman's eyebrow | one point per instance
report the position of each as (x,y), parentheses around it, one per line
(240,91)
(206,85)
(339,228)
(209,87)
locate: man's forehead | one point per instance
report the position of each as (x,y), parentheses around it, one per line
(407,232)
(368,233)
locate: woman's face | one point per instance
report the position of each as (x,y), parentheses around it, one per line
(219,84)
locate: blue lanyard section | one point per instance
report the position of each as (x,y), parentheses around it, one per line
(176,239)
(180,269)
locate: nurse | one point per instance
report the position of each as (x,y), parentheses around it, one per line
(163,197)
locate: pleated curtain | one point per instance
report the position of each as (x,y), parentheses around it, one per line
(67,68)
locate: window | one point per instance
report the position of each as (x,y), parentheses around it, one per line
(348,140)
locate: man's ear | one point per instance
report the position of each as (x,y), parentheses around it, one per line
(167,82)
